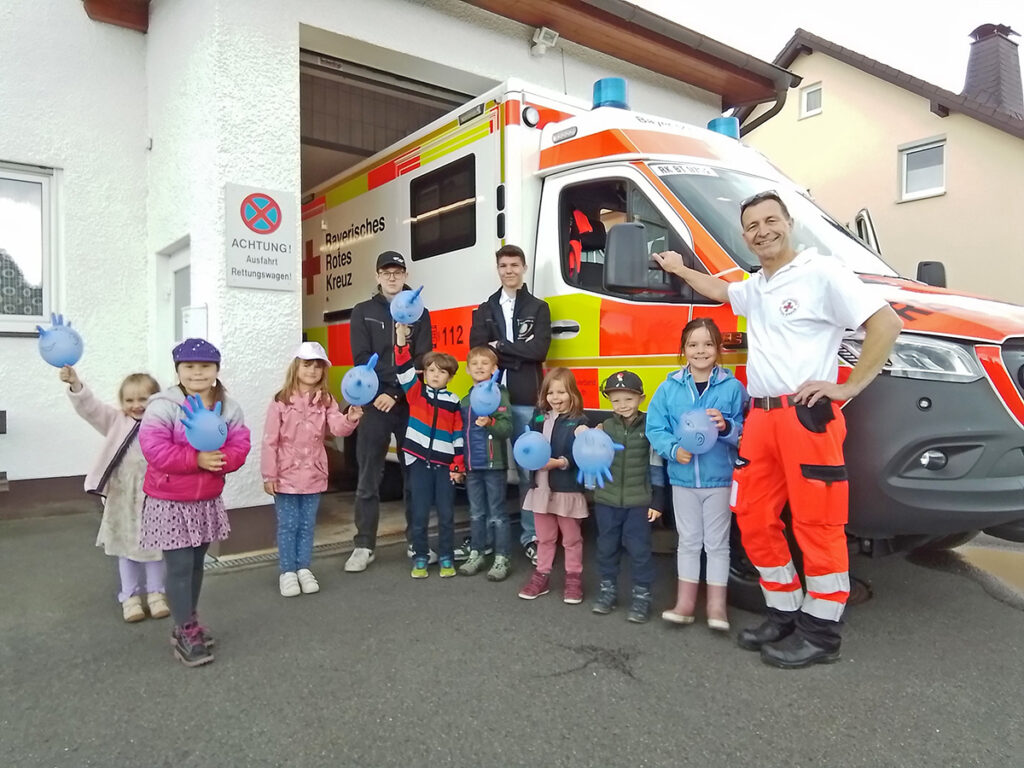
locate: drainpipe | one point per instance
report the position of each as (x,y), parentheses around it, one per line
(780,102)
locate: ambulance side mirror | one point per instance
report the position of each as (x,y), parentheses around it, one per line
(626,261)
(932,273)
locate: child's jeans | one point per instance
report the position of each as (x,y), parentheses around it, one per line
(430,486)
(296,523)
(486,489)
(139,578)
(626,528)
(548,527)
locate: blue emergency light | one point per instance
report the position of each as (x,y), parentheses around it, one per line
(610,92)
(727,126)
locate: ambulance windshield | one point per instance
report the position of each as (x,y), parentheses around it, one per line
(714,195)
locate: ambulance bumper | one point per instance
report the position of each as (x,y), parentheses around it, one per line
(933,458)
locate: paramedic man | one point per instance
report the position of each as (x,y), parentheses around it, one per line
(798,307)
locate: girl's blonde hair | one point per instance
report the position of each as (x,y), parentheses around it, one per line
(138,378)
(568,381)
(291,383)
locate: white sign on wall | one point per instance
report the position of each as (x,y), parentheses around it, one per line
(260,238)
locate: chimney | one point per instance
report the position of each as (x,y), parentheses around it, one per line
(993,70)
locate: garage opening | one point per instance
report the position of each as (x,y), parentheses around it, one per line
(350,111)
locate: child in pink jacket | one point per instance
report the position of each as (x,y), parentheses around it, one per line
(183,511)
(294,460)
(117,478)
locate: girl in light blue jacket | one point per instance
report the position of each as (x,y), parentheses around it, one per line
(700,483)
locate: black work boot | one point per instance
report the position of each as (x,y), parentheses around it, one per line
(795,652)
(640,608)
(770,631)
(605,602)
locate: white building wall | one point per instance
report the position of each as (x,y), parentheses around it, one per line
(215,85)
(72,97)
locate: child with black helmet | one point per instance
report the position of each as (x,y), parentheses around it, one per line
(628,503)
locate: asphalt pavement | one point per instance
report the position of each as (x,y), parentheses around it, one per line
(381,670)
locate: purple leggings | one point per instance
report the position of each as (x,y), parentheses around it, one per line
(139,578)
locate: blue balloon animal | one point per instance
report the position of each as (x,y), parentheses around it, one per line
(593,451)
(407,306)
(60,345)
(485,397)
(359,386)
(696,432)
(205,430)
(532,450)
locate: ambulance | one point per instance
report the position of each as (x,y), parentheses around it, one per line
(935,445)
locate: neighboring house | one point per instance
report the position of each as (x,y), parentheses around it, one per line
(939,172)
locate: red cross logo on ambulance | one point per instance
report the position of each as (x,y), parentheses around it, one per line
(788,307)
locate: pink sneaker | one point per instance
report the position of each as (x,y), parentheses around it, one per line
(535,587)
(573,589)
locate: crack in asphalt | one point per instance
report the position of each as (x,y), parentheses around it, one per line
(618,660)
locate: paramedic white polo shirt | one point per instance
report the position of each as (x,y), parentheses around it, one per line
(796,321)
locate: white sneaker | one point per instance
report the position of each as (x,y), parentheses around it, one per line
(359,559)
(289,584)
(431,554)
(307,581)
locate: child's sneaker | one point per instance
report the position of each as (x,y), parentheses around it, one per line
(359,559)
(307,581)
(411,553)
(419,568)
(535,587)
(190,647)
(473,565)
(640,609)
(500,569)
(530,550)
(132,610)
(447,568)
(157,604)
(288,583)
(605,602)
(573,594)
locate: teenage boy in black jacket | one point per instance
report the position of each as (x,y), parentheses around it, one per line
(372,329)
(518,326)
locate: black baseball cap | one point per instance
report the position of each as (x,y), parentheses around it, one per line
(390,259)
(623,381)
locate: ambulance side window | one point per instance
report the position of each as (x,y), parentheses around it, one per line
(442,209)
(588,211)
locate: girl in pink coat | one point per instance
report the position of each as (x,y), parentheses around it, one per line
(183,511)
(117,477)
(294,460)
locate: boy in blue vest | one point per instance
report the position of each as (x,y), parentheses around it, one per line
(630,501)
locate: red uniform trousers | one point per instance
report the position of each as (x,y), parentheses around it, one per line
(780,459)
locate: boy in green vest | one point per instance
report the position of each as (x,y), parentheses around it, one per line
(630,501)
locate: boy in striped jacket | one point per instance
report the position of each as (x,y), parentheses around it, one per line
(432,450)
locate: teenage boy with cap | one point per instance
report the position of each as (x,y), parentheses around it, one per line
(630,501)
(372,330)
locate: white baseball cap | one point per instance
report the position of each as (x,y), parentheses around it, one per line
(311,350)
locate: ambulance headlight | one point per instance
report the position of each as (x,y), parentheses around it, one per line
(920,357)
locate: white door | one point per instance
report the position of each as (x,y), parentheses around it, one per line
(173,294)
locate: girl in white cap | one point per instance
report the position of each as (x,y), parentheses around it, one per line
(294,460)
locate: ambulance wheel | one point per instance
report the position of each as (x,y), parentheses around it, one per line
(950,541)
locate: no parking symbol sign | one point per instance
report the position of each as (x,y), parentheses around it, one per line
(260,238)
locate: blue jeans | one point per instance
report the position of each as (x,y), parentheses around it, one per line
(521,415)
(296,521)
(486,490)
(626,528)
(430,486)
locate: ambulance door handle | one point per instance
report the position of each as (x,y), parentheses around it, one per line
(565,329)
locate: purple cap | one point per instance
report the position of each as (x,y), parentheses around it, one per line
(196,351)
